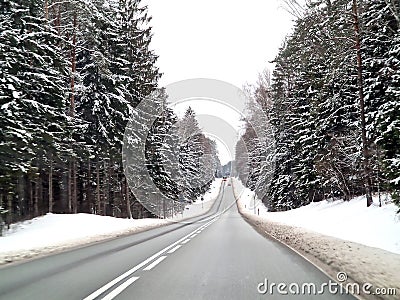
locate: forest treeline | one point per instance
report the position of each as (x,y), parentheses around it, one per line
(72,73)
(333,101)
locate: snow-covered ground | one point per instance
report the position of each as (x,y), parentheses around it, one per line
(55,232)
(348,220)
(200,207)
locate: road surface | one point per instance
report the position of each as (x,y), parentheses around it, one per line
(216,256)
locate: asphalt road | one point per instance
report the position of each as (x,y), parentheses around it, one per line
(216,256)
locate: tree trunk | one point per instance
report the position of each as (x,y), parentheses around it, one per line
(70,187)
(38,183)
(31,185)
(128,202)
(10,209)
(21,196)
(75,188)
(89,186)
(73,195)
(58,20)
(73,67)
(51,185)
(98,187)
(1,215)
(106,188)
(46,9)
(378,172)
(365,145)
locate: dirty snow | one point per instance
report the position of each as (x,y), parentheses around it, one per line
(362,264)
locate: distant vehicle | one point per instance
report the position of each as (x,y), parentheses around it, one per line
(224,178)
(229,184)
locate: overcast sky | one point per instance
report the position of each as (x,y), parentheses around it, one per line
(229,40)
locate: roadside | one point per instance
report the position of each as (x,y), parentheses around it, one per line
(362,264)
(53,233)
(203,204)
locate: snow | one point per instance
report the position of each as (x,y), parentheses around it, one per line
(55,232)
(58,231)
(372,226)
(200,207)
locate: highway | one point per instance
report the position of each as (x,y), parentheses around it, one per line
(215,256)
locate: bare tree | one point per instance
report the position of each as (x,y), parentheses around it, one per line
(294,7)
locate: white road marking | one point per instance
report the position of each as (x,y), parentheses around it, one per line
(193,235)
(155,263)
(113,282)
(120,288)
(186,241)
(174,249)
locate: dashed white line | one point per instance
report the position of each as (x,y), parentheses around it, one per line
(174,249)
(113,282)
(120,288)
(155,263)
(193,235)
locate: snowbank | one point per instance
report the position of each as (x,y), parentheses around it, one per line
(54,232)
(348,220)
(300,230)
(200,207)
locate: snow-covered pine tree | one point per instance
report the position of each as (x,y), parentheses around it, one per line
(68,86)
(336,107)
(161,155)
(189,154)
(112,53)
(314,109)
(32,89)
(381,49)
(282,184)
(255,149)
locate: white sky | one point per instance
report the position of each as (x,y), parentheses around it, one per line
(229,40)
(209,117)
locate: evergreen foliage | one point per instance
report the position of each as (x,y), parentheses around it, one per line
(313,105)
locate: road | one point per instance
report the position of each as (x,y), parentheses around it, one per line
(216,256)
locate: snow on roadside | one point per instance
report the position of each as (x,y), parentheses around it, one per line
(54,232)
(348,220)
(200,207)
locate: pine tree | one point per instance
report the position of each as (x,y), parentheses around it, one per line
(72,73)
(161,155)
(382,59)
(32,96)
(189,154)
